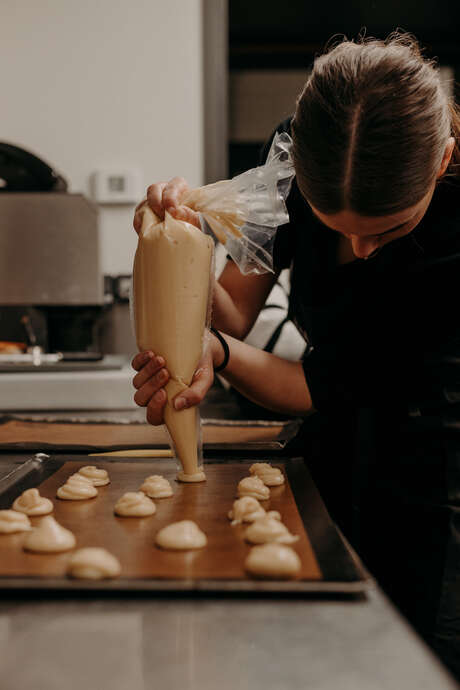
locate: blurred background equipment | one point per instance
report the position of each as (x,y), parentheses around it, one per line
(271,48)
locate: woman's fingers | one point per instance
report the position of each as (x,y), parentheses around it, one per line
(151,387)
(155,198)
(151,367)
(167,196)
(202,382)
(155,408)
(152,377)
(137,221)
(141,359)
(173,192)
(149,382)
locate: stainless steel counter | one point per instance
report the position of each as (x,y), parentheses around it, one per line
(202,644)
(129,643)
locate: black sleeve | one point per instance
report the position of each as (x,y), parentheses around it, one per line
(399,348)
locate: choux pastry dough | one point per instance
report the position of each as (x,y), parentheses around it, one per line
(92,563)
(253,486)
(171,278)
(31,503)
(248,509)
(192,477)
(12,521)
(268,529)
(271,476)
(181,536)
(135,504)
(273,560)
(77,488)
(156,486)
(49,537)
(97,476)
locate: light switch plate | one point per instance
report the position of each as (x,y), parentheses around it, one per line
(116,185)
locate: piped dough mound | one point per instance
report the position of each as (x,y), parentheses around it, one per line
(268,529)
(273,560)
(198,476)
(12,521)
(97,476)
(248,509)
(181,536)
(93,563)
(49,537)
(254,487)
(156,486)
(271,476)
(135,504)
(77,488)
(31,503)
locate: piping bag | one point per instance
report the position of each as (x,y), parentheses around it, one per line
(172,279)
(173,276)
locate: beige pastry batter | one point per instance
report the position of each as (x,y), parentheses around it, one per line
(268,529)
(171,280)
(253,486)
(77,488)
(271,476)
(273,560)
(92,563)
(49,537)
(156,486)
(97,476)
(12,521)
(31,503)
(192,478)
(248,509)
(181,536)
(135,504)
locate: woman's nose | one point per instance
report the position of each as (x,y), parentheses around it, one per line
(363,247)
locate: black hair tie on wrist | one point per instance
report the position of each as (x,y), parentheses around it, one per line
(225,348)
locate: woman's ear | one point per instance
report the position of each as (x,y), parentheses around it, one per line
(446,157)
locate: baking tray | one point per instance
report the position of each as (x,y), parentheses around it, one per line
(22,433)
(328,564)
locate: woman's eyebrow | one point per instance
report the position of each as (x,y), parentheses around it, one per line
(376,234)
(387,232)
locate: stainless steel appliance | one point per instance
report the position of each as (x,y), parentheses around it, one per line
(52,304)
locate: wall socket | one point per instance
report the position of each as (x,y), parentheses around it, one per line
(116,186)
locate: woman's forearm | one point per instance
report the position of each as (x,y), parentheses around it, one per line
(238,299)
(264,378)
(226,316)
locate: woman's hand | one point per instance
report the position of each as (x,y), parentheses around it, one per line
(152,376)
(149,381)
(167,196)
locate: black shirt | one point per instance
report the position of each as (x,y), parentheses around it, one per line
(383,368)
(383,331)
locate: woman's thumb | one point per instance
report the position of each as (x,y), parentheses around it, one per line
(195,393)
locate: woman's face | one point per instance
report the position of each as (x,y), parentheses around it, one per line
(367,234)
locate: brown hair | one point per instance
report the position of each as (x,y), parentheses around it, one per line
(371,127)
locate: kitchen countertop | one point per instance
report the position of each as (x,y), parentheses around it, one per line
(210,643)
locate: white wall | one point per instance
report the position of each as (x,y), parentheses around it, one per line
(91,83)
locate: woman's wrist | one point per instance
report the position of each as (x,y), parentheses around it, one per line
(219,350)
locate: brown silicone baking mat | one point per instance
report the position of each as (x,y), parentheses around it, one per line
(327,563)
(19,434)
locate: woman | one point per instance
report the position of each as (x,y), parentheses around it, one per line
(374,248)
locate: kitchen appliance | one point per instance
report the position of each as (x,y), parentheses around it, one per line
(52,295)
(50,277)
